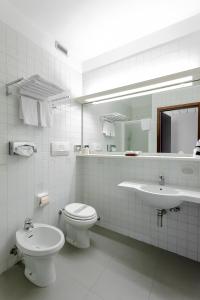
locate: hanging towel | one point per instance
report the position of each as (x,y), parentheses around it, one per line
(112,129)
(45,114)
(28,111)
(146,124)
(108,129)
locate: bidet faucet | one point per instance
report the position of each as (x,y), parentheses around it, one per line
(28,224)
(161,180)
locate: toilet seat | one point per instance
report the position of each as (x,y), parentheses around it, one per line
(80,212)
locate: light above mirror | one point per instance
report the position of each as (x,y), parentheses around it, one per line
(148,90)
(149,87)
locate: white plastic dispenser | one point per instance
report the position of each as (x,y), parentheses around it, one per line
(196,152)
(25,149)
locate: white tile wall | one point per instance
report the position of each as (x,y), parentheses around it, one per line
(176,56)
(22,179)
(98,178)
(122,211)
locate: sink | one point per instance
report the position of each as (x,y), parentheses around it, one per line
(162,196)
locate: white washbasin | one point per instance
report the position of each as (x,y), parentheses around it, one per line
(162,196)
(42,240)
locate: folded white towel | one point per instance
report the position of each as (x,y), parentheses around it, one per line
(45,114)
(108,129)
(28,111)
(146,124)
(112,129)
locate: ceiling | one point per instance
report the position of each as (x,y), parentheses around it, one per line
(89,28)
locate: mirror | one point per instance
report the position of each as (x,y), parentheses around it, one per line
(163,122)
(117,126)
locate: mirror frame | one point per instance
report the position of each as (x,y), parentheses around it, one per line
(162,109)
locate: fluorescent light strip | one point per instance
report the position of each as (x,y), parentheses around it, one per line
(149,92)
(149,88)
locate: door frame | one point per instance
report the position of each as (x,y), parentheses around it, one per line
(162,109)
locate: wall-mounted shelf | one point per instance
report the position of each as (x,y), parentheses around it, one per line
(39,89)
(114,117)
(147,156)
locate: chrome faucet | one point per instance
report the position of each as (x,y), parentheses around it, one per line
(28,224)
(161,180)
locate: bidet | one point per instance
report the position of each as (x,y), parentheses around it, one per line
(39,245)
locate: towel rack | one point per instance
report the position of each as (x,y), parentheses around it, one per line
(8,93)
(37,88)
(114,117)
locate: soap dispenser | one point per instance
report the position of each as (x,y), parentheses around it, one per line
(196,151)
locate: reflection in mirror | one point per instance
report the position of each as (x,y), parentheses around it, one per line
(135,124)
(178,128)
(118,126)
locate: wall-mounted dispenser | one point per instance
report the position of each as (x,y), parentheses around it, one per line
(43,199)
(25,149)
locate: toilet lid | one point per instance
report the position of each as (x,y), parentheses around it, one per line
(80,211)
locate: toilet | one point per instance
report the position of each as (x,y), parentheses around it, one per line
(79,218)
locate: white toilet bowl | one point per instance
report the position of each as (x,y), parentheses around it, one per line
(39,246)
(79,218)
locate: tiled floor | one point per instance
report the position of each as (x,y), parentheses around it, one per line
(114,268)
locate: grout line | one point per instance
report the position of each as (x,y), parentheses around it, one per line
(153,276)
(99,277)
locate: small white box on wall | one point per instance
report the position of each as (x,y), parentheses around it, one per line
(60,148)
(43,199)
